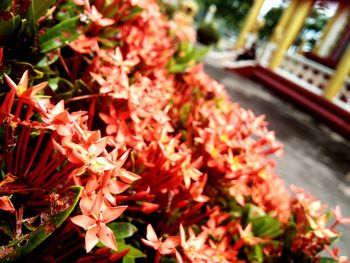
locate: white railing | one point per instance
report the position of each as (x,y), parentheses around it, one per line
(313,77)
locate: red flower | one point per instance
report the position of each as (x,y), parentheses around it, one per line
(5,108)
(6,204)
(21,89)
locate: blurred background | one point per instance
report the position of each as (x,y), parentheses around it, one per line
(289,60)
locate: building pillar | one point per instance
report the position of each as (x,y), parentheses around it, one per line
(341,73)
(249,23)
(283,21)
(289,35)
(327,30)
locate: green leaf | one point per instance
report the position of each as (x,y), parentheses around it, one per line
(186,56)
(133,13)
(47,61)
(328,260)
(168,260)
(174,67)
(250,212)
(60,35)
(53,83)
(266,226)
(289,234)
(67,10)
(36,9)
(82,87)
(62,87)
(256,255)
(122,229)
(127,259)
(133,251)
(40,7)
(4,4)
(23,245)
(9,29)
(185,113)
(107,42)
(200,53)
(6,228)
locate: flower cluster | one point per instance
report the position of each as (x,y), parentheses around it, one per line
(148,144)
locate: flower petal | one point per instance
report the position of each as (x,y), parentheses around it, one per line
(155,245)
(111,213)
(128,177)
(149,208)
(151,235)
(6,204)
(117,187)
(83,221)
(106,236)
(91,239)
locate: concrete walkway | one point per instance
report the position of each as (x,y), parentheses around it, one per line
(314,158)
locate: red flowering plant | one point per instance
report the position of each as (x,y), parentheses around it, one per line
(115,146)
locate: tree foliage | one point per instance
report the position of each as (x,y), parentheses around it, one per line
(232,12)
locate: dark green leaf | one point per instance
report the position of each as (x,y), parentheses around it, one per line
(168,260)
(60,35)
(289,234)
(36,9)
(26,243)
(62,87)
(82,87)
(4,4)
(40,7)
(6,228)
(122,229)
(9,29)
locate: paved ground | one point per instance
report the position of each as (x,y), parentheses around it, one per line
(314,158)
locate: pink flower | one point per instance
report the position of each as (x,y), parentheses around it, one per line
(318,226)
(95,223)
(339,217)
(194,246)
(164,248)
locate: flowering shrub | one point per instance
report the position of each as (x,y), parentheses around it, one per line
(116,146)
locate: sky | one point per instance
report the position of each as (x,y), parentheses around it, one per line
(268,4)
